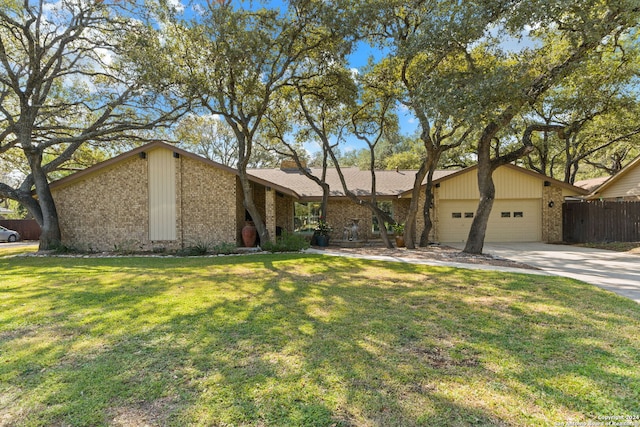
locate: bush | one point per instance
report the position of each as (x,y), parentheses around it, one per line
(287,243)
(200,248)
(196,248)
(62,249)
(225,248)
(128,247)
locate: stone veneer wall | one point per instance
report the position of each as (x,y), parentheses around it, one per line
(270,212)
(207,204)
(284,212)
(240,211)
(552,216)
(420,217)
(107,210)
(400,209)
(341,212)
(259,199)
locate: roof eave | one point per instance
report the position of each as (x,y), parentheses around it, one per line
(614,178)
(540,176)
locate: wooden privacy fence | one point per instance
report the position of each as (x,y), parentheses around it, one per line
(28,228)
(597,221)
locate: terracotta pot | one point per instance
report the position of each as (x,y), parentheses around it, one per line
(249,234)
(400,241)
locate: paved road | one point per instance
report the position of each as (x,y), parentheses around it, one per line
(615,271)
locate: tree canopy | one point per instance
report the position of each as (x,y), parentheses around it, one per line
(65,80)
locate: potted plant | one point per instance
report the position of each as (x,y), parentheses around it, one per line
(398,230)
(321,233)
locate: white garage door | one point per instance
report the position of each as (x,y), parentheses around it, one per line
(518,220)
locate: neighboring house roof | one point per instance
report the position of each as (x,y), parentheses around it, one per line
(591,184)
(534,174)
(617,178)
(389,183)
(158,144)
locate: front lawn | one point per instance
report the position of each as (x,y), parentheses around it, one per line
(307,340)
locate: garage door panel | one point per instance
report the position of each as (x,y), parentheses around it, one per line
(517,220)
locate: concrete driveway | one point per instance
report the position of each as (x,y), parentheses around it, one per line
(615,271)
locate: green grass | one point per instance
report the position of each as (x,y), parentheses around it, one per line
(306,340)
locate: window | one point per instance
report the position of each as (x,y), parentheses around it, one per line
(505,214)
(468,214)
(386,206)
(305,216)
(518,215)
(456,215)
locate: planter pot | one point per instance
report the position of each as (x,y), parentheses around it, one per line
(249,234)
(400,241)
(322,240)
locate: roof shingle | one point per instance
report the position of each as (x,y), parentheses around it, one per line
(389,183)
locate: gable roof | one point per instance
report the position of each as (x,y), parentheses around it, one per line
(592,183)
(615,178)
(158,144)
(542,177)
(389,183)
(292,182)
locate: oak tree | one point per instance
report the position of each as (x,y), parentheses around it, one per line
(66,79)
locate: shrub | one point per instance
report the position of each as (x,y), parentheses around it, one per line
(196,248)
(128,247)
(287,243)
(61,249)
(225,248)
(200,248)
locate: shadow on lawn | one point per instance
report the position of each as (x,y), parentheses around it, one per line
(308,340)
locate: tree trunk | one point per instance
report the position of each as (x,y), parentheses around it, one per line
(383,231)
(475,240)
(250,206)
(410,221)
(428,201)
(50,236)
(486,188)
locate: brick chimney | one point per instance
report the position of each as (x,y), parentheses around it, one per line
(290,165)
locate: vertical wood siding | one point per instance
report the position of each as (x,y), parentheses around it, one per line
(627,186)
(510,184)
(162,195)
(597,221)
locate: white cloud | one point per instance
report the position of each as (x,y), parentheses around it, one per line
(177,5)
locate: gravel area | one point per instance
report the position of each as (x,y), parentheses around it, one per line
(434,252)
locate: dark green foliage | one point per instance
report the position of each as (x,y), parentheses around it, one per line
(288,242)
